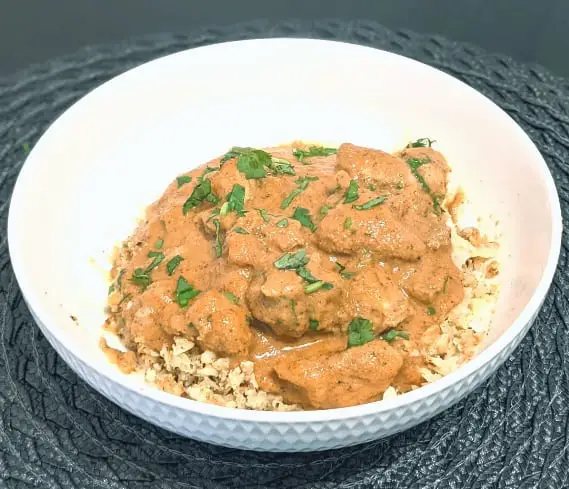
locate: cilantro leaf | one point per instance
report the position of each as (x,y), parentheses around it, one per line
(183,179)
(301,154)
(157,257)
(251,162)
(279,166)
(173,264)
(348,223)
(305,274)
(421,143)
(264,214)
(185,292)
(292,261)
(390,335)
(370,204)
(199,194)
(283,223)
(313,324)
(141,277)
(414,165)
(352,192)
(235,200)
(303,217)
(314,286)
(302,185)
(360,332)
(240,230)
(431,311)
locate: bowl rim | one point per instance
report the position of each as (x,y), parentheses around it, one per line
(33,298)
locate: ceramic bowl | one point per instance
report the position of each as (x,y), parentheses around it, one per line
(100,163)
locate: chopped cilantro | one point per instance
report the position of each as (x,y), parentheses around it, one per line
(303,217)
(352,193)
(199,194)
(26,147)
(218,245)
(305,274)
(159,244)
(141,277)
(235,200)
(431,311)
(348,223)
(302,184)
(313,324)
(301,154)
(369,204)
(240,230)
(421,143)
(214,199)
(118,282)
(292,261)
(283,223)
(314,286)
(231,297)
(360,332)
(400,186)
(390,335)
(414,165)
(445,283)
(183,179)
(264,214)
(111,289)
(206,171)
(157,257)
(279,166)
(324,210)
(173,264)
(185,292)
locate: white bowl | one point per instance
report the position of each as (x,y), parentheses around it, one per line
(112,153)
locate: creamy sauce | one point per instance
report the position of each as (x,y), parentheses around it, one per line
(326,279)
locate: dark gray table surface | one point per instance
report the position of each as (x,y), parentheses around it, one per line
(530,31)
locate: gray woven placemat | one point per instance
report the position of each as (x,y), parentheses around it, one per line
(55,432)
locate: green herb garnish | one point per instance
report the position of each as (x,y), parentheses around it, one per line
(118,282)
(206,171)
(370,204)
(303,217)
(240,230)
(342,269)
(283,223)
(445,283)
(173,264)
(264,214)
(292,261)
(415,164)
(159,243)
(185,292)
(253,163)
(279,166)
(390,335)
(26,147)
(421,143)
(302,184)
(348,223)
(218,245)
(235,201)
(301,154)
(199,194)
(313,324)
(182,180)
(431,311)
(352,193)
(231,297)
(314,286)
(141,277)
(360,332)
(305,274)
(324,210)
(157,257)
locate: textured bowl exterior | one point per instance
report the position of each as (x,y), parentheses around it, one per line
(277,436)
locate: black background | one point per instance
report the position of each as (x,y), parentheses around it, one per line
(31,31)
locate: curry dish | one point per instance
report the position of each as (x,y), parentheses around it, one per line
(313,277)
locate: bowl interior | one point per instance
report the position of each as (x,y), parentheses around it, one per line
(93,172)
